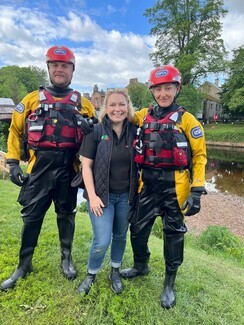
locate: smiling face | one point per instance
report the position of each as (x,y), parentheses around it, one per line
(60,73)
(164,94)
(117,108)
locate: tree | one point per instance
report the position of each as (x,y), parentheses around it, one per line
(140,95)
(16,82)
(191,99)
(188,36)
(232,97)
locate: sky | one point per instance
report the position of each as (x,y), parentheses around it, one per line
(110,39)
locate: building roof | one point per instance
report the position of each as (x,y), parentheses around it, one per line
(6,101)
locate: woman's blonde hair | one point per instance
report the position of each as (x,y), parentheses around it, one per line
(127,97)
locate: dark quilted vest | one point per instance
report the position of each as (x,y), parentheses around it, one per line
(102,161)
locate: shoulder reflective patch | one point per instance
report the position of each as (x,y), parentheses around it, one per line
(196,132)
(20,108)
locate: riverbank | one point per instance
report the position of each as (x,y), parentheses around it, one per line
(225,144)
(219,209)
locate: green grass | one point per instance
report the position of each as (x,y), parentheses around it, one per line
(224,132)
(209,286)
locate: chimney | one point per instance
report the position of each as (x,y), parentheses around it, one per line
(217,82)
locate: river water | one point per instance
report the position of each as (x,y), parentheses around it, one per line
(224,171)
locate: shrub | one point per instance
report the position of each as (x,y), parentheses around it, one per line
(83,207)
(157,229)
(217,238)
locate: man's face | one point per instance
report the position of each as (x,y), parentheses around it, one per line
(60,73)
(164,94)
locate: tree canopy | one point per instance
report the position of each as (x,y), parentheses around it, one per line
(16,82)
(188,35)
(140,95)
(191,98)
(232,97)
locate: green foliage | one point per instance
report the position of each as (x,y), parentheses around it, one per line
(83,207)
(232,97)
(3,136)
(220,239)
(188,35)
(224,132)
(157,229)
(16,82)
(140,95)
(191,99)
(207,285)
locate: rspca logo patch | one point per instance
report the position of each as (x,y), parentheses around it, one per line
(20,108)
(161,73)
(196,132)
(60,52)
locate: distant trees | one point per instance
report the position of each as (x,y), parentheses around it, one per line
(188,35)
(140,95)
(16,82)
(191,98)
(232,97)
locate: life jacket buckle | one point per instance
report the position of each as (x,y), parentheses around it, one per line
(32,117)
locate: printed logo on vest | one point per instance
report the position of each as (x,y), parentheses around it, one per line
(20,108)
(196,132)
(105,137)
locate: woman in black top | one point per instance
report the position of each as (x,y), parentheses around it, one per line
(110,178)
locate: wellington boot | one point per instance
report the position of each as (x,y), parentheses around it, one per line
(168,299)
(66,264)
(116,284)
(138,269)
(22,270)
(87,283)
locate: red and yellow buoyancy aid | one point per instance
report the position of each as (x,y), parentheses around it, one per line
(55,124)
(161,144)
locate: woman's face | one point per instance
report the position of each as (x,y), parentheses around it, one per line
(117,108)
(164,94)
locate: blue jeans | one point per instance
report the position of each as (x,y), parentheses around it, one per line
(112,225)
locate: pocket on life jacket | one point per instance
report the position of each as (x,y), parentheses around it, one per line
(35,131)
(180,150)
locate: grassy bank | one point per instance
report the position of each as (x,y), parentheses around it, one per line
(209,287)
(224,132)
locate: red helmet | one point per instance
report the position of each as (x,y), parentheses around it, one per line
(60,53)
(163,74)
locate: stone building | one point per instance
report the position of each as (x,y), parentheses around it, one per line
(97,98)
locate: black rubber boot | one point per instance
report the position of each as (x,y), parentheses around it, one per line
(66,227)
(66,264)
(24,268)
(173,254)
(116,284)
(138,269)
(87,283)
(168,299)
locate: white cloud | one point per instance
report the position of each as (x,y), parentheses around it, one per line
(233,30)
(233,25)
(107,58)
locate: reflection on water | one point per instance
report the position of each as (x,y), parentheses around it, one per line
(225,169)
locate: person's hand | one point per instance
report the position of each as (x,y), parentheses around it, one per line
(96,206)
(16,174)
(192,205)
